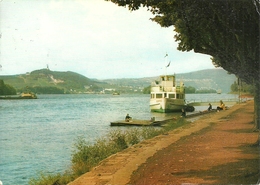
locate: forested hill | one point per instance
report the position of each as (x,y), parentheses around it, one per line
(203,79)
(209,79)
(46,81)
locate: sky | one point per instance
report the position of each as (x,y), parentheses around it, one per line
(94,38)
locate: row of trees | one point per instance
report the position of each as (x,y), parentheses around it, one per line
(242,87)
(227,30)
(43,90)
(193,90)
(6,89)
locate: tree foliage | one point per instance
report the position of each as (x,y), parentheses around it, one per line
(190,90)
(42,90)
(6,89)
(227,30)
(242,87)
(147,90)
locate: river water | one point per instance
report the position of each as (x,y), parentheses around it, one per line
(38,135)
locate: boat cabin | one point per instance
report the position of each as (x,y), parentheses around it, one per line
(166,88)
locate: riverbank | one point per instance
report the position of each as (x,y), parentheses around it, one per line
(216,149)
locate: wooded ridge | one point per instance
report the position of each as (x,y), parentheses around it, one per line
(57,82)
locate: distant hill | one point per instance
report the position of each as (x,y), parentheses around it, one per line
(46,81)
(209,78)
(203,79)
(67,82)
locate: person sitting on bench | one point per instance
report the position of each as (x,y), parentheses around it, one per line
(209,108)
(128,118)
(221,106)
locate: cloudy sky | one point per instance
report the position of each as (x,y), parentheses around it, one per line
(95,38)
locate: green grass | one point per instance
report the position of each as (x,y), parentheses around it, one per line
(87,155)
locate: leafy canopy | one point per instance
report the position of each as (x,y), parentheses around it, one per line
(228,30)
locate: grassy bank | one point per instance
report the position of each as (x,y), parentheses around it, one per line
(86,155)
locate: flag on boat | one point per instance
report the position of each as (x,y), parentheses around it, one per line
(166,55)
(168,64)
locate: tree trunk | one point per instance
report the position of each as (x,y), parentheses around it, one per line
(256,105)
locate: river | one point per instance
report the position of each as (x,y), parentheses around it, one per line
(38,135)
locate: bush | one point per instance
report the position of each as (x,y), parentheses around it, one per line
(133,136)
(51,179)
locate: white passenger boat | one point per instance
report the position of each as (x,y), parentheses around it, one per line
(166,96)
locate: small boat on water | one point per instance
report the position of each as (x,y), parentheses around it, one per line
(166,96)
(219,91)
(28,95)
(116,93)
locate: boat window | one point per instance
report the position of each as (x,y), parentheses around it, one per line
(178,96)
(158,95)
(152,95)
(171,95)
(165,95)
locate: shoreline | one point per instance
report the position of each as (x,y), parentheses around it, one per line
(119,168)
